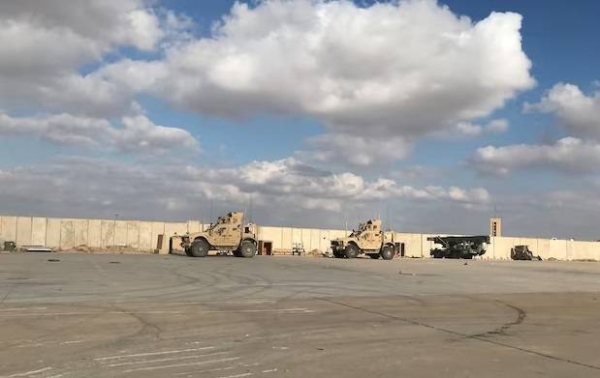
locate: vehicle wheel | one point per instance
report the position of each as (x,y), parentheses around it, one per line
(199,248)
(338,254)
(387,252)
(351,251)
(530,256)
(247,249)
(374,256)
(188,251)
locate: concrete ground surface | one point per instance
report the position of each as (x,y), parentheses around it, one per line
(84,315)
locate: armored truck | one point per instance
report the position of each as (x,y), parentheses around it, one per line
(228,234)
(368,239)
(459,247)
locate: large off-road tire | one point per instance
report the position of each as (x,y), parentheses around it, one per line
(387,252)
(338,254)
(247,249)
(188,251)
(199,248)
(374,256)
(351,251)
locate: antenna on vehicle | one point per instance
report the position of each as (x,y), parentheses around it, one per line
(345,223)
(250,210)
(387,218)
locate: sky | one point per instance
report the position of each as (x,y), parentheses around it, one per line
(434,116)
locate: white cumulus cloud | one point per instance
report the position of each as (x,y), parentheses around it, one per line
(393,71)
(569,154)
(578,112)
(136,134)
(44,44)
(70,188)
(390,70)
(469,129)
(355,150)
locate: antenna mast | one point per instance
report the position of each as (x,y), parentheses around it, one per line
(250,215)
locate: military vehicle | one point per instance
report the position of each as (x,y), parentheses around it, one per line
(459,247)
(369,239)
(228,234)
(522,252)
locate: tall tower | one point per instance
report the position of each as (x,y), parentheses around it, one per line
(495,227)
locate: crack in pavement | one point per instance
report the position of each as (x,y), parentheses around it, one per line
(467,336)
(521,315)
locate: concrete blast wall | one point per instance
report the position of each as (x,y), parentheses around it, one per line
(102,234)
(93,234)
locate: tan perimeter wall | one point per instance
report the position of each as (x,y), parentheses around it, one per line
(142,236)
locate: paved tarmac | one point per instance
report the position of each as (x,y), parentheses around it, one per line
(223,317)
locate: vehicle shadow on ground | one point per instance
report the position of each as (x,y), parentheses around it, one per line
(210,255)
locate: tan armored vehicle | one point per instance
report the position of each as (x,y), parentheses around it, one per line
(369,239)
(227,235)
